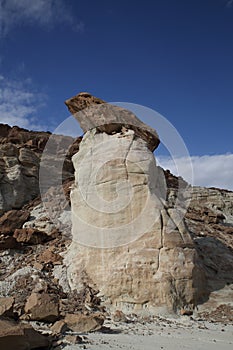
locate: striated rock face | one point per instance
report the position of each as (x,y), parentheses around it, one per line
(19,165)
(92,112)
(126,242)
(19,176)
(210,221)
(219,202)
(20,155)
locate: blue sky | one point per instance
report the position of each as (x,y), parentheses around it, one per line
(174,56)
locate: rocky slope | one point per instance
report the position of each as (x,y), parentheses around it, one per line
(20,154)
(209,219)
(33,284)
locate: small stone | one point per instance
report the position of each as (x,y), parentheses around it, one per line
(59,327)
(30,236)
(49,256)
(119,316)
(8,242)
(38,266)
(73,339)
(184,312)
(84,323)
(6,306)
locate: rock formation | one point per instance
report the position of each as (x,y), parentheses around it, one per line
(20,336)
(20,154)
(126,241)
(210,222)
(32,248)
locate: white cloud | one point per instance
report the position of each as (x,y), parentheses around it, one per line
(45,13)
(208,171)
(19,104)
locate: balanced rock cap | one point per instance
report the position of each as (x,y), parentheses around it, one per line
(92,112)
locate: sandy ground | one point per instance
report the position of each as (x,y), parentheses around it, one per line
(166,334)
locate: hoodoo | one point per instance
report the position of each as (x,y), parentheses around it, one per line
(127,241)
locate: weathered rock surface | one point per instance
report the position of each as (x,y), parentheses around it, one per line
(20,154)
(210,221)
(93,113)
(136,252)
(219,202)
(19,175)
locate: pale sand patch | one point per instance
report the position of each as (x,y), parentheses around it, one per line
(167,334)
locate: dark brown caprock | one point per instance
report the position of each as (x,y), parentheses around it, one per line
(92,112)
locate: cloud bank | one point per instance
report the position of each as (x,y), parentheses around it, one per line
(208,170)
(19,104)
(44,13)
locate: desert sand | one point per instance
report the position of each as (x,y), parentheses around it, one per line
(166,334)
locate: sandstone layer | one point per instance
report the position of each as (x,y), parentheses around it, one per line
(126,242)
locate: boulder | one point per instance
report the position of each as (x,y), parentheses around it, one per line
(30,236)
(59,327)
(8,242)
(84,323)
(75,339)
(20,336)
(119,316)
(92,112)
(6,306)
(49,256)
(42,307)
(13,219)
